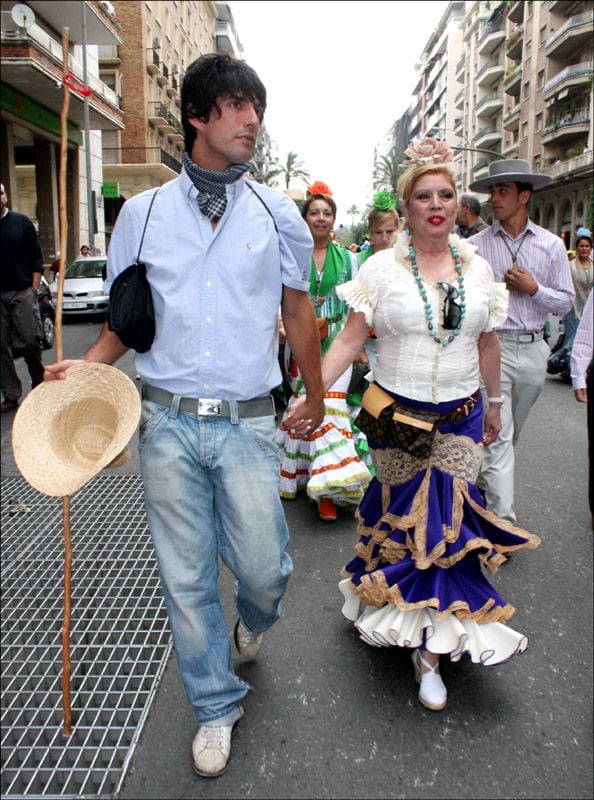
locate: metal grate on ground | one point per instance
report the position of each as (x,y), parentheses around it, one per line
(120,640)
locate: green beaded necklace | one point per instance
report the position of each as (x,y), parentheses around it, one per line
(422,291)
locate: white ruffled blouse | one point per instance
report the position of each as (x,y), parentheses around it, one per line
(409,361)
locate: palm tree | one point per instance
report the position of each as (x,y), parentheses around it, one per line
(387,171)
(293,169)
(354,212)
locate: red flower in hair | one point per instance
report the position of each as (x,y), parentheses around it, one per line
(319,187)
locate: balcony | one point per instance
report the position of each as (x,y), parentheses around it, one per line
(33,68)
(512,81)
(163,77)
(158,114)
(489,105)
(490,72)
(152,66)
(108,55)
(492,35)
(516,11)
(487,137)
(459,101)
(511,150)
(562,130)
(101,26)
(460,68)
(570,168)
(480,169)
(575,75)
(514,43)
(511,118)
(173,89)
(153,162)
(226,39)
(570,36)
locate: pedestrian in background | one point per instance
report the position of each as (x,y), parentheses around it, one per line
(325,463)
(85,251)
(533,264)
(582,378)
(468,218)
(582,271)
(417,579)
(221,256)
(21,268)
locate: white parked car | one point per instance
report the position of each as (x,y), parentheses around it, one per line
(83,287)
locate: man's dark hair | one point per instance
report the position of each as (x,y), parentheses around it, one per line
(211,76)
(472,202)
(524,187)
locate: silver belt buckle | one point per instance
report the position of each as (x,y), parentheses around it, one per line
(209,408)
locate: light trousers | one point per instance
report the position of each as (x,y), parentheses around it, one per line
(523,373)
(211,491)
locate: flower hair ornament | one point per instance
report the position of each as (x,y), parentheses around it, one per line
(384,201)
(428,151)
(319,187)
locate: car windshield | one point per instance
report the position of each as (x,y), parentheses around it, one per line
(85,269)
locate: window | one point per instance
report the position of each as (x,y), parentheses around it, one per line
(529,50)
(543,35)
(538,126)
(530,10)
(524,130)
(526,90)
(537,160)
(541,80)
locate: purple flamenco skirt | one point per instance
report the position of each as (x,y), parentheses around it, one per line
(426,540)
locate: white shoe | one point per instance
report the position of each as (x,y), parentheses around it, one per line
(247,642)
(432,691)
(211,749)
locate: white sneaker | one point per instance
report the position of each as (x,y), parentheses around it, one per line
(432,691)
(247,642)
(211,749)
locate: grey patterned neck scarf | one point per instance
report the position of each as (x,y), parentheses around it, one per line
(212,198)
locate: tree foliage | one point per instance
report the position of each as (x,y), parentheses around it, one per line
(387,170)
(293,168)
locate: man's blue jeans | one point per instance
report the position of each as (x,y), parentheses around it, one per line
(211,489)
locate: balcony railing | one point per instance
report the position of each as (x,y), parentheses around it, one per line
(492,97)
(578,119)
(140,155)
(575,71)
(572,22)
(492,63)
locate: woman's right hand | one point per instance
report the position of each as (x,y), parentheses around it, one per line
(57,371)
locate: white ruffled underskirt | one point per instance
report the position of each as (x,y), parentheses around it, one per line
(487,644)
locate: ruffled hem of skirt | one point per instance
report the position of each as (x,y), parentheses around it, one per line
(487,643)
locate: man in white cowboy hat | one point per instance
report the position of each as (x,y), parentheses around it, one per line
(221,254)
(533,264)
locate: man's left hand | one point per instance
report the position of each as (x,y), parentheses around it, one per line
(518,279)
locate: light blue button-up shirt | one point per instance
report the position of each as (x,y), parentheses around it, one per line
(216,292)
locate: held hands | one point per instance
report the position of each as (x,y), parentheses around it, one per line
(492,424)
(57,371)
(303,416)
(518,279)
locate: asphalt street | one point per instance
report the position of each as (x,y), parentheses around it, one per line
(330,717)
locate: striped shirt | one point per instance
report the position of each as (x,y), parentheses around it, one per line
(543,255)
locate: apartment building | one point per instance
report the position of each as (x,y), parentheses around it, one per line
(432,112)
(32,62)
(526,92)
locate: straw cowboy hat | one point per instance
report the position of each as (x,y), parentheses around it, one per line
(509,170)
(67,431)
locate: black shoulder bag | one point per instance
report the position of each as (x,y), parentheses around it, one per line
(131,313)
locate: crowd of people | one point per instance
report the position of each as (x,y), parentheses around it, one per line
(446,312)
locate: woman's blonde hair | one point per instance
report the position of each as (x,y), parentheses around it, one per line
(409,178)
(378,216)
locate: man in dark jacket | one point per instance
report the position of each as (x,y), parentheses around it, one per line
(21,267)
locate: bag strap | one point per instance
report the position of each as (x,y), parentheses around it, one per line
(145,224)
(249,185)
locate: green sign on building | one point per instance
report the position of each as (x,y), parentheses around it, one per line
(29,110)
(110,189)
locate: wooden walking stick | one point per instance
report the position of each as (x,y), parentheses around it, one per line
(67,715)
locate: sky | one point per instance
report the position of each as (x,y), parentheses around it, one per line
(337,75)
